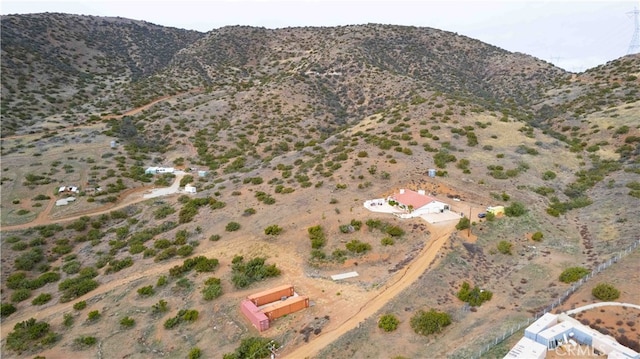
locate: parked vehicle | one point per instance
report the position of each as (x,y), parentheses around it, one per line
(482,215)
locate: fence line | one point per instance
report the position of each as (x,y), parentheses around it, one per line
(557,302)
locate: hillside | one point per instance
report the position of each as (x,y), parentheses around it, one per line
(296,128)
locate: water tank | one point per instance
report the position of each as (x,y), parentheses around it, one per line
(113,144)
(432,172)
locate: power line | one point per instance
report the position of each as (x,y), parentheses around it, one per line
(634,46)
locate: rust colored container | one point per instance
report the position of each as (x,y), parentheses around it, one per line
(271,295)
(254,315)
(285,307)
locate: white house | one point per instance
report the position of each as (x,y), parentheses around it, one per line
(190,188)
(417,203)
(159,170)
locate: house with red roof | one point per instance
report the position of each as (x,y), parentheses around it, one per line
(417,203)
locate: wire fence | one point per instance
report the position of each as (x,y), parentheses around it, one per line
(556,303)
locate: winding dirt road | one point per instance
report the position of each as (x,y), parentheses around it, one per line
(402,280)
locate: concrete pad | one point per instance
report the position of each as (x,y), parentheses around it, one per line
(441,217)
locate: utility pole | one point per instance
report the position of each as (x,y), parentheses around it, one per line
(469,229)
(634,46)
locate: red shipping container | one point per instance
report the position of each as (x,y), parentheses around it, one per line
(254,315)
(285,307)
(271,295)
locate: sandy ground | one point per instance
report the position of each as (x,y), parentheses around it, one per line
(439,235)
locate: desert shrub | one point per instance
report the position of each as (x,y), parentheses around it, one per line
(146,291)
(93,316)
(160,307)
(185,251)
(127,322)
(394,231)
(317,237)
(30,334)
(195,353)
(212,289)
(463,223)
(548,175)
(163,212)
(504,247)
(253,347)
(430,322)
(19,246)
(27,261)
(184,315)
(80,305)
(232,226)
(117,265)
(83,341)
(573,274)
(41,299)
(516,209)
(387,241)
(356,246)
(246,273)
(475,297)
(388,322)
(20,294)
(537,236)
(6,309)
(273,230)
(605,292)
(68,320)
(162,243)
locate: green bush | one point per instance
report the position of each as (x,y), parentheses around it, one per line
(605,292)
(146,291)
(232,226)
(214,237)
(184,315)
(430,322)
(245,273)
(549,175)
(356,246)
(273,230)
(41,299)
(67,320)
(6,309)
(537,236)
(93,316)
(213,289)
(475,297)
(83,342)
(127,322)
(20,294)
(253,347)
(317,237)
(463,223)
(30,334)
(160,307)
(195,353)
(516,209)
(394,231)
(387,241)
(80,305)
(388,322)
(573,274)
(504,247)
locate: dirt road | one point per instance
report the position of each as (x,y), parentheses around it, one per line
(125,199)
(440,233)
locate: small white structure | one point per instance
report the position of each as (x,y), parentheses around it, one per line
(159,170)
(65,201)
(202,173)
(68,189)
(190,188)
(417,203)
(113,144)
(344,275)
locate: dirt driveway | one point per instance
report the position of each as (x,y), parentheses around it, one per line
(440,233)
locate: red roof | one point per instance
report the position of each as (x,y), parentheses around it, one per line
(412,198)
